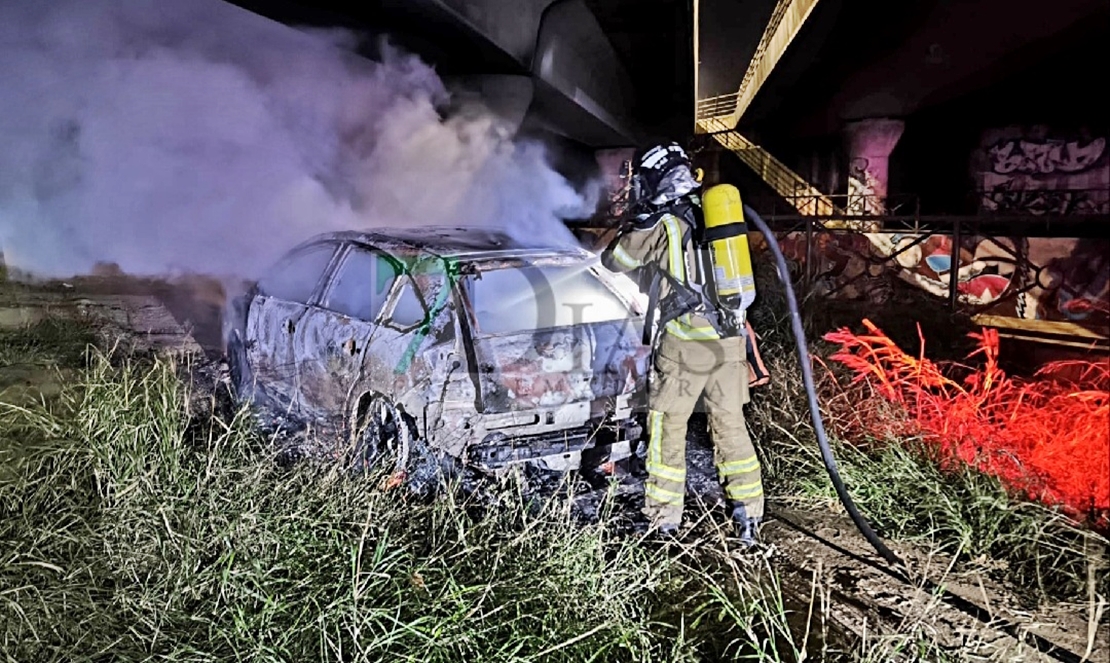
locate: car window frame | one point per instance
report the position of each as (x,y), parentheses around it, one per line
(407,279)
(322,280)
(467,305)
(402,281)
(337,265)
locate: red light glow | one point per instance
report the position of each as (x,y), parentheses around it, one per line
(1047,437)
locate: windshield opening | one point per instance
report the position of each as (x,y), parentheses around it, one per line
(526,298)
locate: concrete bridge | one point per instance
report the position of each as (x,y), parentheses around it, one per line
(544,65)
(842,112)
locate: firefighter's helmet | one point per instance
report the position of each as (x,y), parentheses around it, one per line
(663,173)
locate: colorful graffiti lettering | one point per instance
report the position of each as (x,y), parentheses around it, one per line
(1011,196)
(1036,171)
(1030,171)
(1043,157)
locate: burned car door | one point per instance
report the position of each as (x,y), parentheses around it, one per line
(332,342)
(416,333)
(275,315)
(422,338)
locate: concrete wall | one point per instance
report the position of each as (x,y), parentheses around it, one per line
(574,59)
(1014,170)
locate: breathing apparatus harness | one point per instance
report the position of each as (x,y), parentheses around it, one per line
(699,293)
(717,283)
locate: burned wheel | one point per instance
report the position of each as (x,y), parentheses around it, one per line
(383,440)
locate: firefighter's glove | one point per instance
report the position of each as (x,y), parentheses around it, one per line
(758,375)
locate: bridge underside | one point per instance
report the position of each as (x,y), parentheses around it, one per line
(544,65)
(1037,273)
(549,66)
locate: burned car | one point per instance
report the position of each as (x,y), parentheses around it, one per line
(474,346)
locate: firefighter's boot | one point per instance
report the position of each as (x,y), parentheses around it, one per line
(747,527)
(661,531)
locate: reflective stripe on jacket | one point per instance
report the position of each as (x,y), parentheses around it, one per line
(661,245)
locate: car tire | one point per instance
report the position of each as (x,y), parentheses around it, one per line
(384,440)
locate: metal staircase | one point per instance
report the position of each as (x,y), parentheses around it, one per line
(791,186)
(718,116)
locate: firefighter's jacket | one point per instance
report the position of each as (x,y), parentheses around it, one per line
(665,245)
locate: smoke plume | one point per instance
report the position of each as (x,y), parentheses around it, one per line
(193,136)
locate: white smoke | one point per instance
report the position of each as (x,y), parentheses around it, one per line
(195,136)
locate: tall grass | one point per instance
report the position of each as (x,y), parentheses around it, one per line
(134,525)
(971,516)
(133,529)
(899,484)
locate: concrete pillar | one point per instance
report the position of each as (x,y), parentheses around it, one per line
(870,143)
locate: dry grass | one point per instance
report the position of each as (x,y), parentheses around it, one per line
(133,523)
(899,483)
(1044,437)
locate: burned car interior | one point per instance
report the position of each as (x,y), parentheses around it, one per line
(488,352)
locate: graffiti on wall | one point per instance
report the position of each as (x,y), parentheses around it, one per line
(1033,171)
(1070,280)
(1020,172)
(844,264)
(1028,278)
(865,195)
(1005,198)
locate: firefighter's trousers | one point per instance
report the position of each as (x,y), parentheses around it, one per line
(683,371)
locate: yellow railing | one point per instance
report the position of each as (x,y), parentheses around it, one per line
(784,24)
(785,182)
(718,116)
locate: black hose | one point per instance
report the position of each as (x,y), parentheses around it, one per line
(811,392)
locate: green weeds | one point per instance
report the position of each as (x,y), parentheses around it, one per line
(970,516)
(130,530)
(52,340)
(134,525)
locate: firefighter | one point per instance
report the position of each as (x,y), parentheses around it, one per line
(700,352)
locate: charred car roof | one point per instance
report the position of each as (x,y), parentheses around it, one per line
(463,244)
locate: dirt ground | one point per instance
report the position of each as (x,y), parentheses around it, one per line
(826,566)
(166,315)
